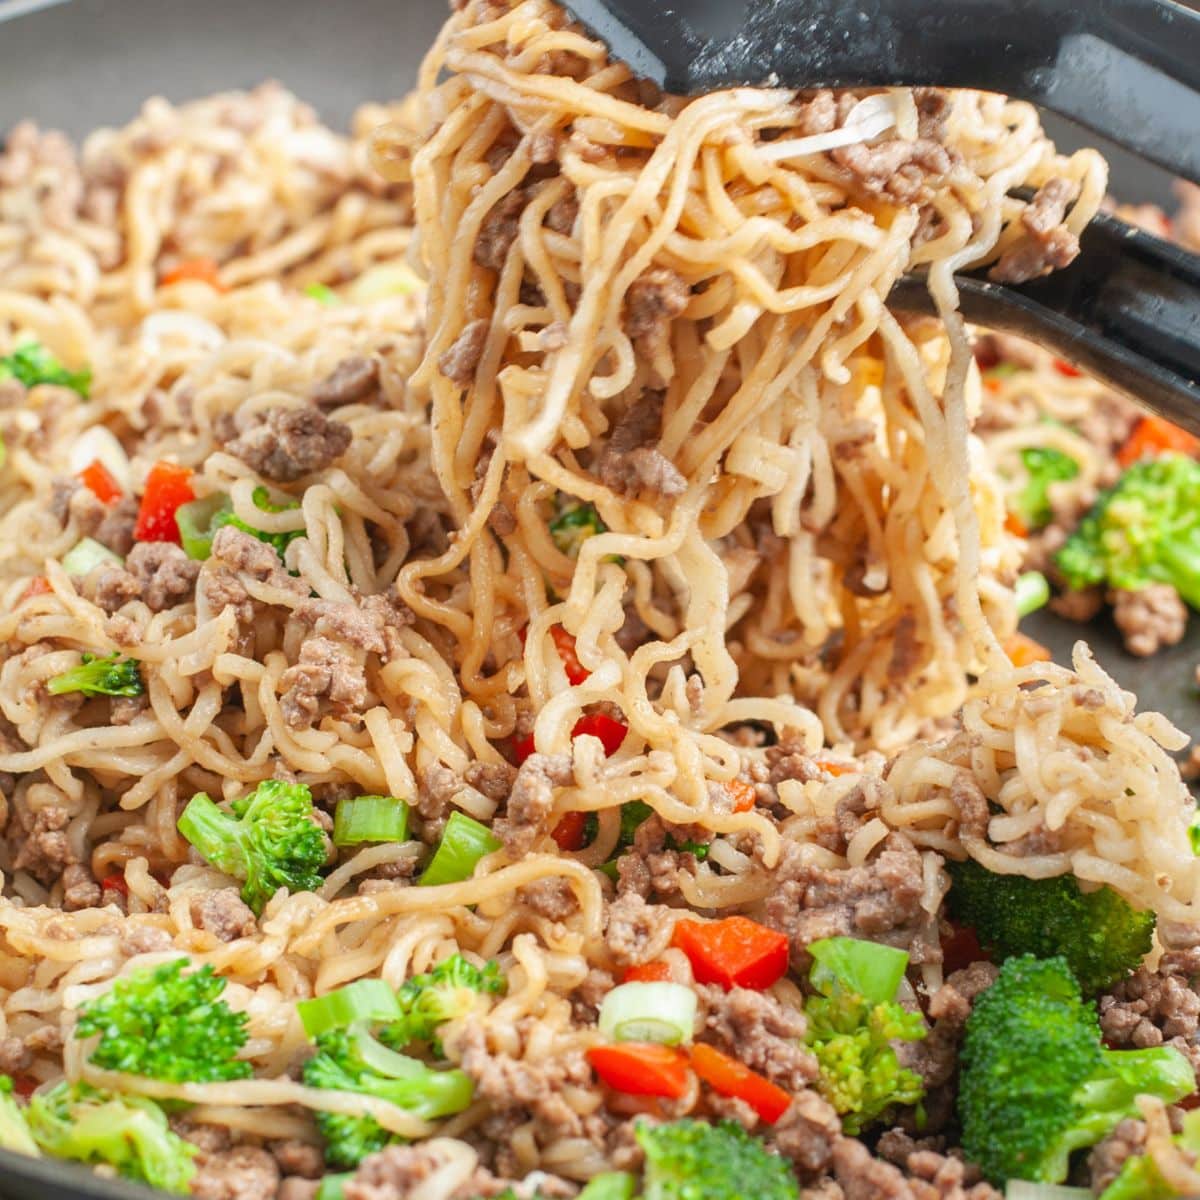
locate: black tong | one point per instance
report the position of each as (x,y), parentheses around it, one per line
(1128,309)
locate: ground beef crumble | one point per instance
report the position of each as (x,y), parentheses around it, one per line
(285,444)
(1150,618)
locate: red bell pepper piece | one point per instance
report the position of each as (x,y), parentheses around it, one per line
(205,270)
(99,480)
(571,831)
(1152,436)
(734,952)
(115,882)
(731,1078)
(565,644)
(24,1085)
(1065,368)
(651,972)
(167,487)
(961,948)
(39,585)
(641,1068)
(608,729)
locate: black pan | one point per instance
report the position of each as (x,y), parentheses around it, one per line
(82,63)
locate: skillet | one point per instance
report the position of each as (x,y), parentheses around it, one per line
(77,64)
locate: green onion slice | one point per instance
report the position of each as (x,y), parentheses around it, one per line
(86,555)
(197,524)
(370,819)
(612,1185)
(868,968)
(463,844)
(1032,592)
(365,1000)
(333,1186)
(649,1012)
(323,294)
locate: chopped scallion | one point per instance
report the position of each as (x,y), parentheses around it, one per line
(612,1185)
(1032,592)
(463,844)
(370,819)
(197,524)
(333,1186)
(323,294)
(86,555)
(649,1012)
(366,1000)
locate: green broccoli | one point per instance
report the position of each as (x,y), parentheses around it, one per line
(1037,1083)
(449,990)
(31,363)
(1143,530)
(1100,935)
(573,524)
(14,1130)
(163,1024)
(128,1133)
(852,1022)
(696,1160)
(271,841)
(263,502)
(111,676)
(633,814)
(354,1061)
(1140,1179)
(1044,466)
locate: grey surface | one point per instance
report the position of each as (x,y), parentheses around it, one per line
(85,63)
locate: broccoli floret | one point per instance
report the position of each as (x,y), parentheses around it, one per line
(262,501)
(695,1160)
(1044,466)
(1036,1081)
(166,1025)
(111,676)
(451,989)
(128,1133)
(32,364)
(852,1022)
(353,1061)
(14,1130)
(1102,936)
(1143,530)
(1140,1179)
(573,525)
(271,841)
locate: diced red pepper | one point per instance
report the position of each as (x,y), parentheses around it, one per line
(99,480)
(167,487)
(835,768)
(641,1068)
(115,882)
(1064,368)
(39,585)
(742,794)
(1152,436)
(571,831)
(24,1085)
(204,270)
(1187,1103)
(565,643)
(961,949)
(651,972)
(731,1078)
(734,952)
(609,730)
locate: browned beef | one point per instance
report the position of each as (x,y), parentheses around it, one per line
(499,230)
(222,913)
(288,443)
(1151,1008)
(1150,619)
(164,574)
(631,461)
(324,673)
(354,380)
(636,932)
(1047,244)
(459,362)
(531,802)
(243,1173)
(760,1031)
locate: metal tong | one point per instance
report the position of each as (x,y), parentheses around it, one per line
(1128,309)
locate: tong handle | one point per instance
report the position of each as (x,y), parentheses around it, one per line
(1127,311)
(1126,69)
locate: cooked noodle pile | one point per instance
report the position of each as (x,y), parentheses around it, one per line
(653,399)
